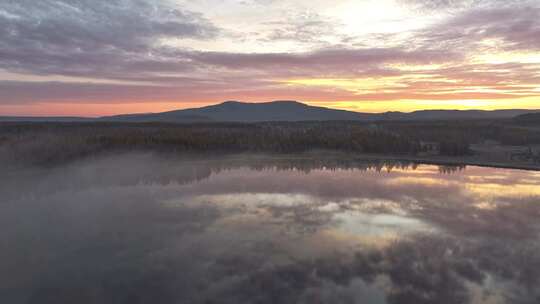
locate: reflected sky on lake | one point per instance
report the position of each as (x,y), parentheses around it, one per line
(146,229)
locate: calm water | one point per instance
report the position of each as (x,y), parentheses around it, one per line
(142,229)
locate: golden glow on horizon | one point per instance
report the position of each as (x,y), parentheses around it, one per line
(416,105)
(95,110)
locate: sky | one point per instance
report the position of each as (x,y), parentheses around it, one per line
(103,57)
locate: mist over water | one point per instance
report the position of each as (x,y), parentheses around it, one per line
(141,228)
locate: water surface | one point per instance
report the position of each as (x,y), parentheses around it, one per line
(146,229)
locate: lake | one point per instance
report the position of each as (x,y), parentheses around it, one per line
(140,228)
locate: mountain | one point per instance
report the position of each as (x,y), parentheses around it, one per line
(454,114)
(234,111)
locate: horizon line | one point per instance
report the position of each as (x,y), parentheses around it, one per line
(265,102)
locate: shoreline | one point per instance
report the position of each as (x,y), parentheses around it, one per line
(475,160)
(427,160)
(457,161)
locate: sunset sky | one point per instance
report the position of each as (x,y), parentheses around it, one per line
(101,57)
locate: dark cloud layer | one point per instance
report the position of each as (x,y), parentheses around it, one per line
(85,25)
(101,39)
(518,27)
(326,58)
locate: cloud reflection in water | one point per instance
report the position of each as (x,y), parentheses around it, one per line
(140,228)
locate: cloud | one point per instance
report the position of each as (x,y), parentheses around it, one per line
(307,27)
(518,27)
(93,38)
(121,40)
(439,4)
(332,60)
(129,25)
(146,51)
(191,90)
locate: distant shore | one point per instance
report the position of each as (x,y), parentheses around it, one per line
(473,160)
(468,161)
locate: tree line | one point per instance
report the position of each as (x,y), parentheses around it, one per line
(54,142)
